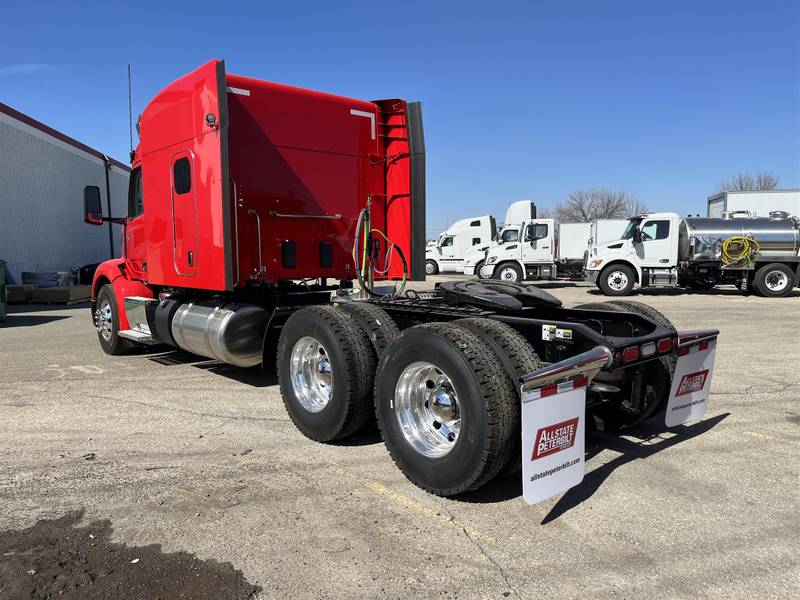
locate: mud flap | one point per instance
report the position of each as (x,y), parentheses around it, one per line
(553,439)
(688,395)
(554,424)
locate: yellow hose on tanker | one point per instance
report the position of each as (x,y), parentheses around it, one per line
(739,251)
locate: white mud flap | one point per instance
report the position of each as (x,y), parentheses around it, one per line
(553,439)
(688,396)
(554,424)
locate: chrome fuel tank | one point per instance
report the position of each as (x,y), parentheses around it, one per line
(232,333)
(701,239)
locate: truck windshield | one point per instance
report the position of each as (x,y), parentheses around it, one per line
(632,224)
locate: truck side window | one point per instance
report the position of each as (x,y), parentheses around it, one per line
(475,224)
(476,241)
(182,176)
(536,231)
(448,241)
(135,199)
(655,230)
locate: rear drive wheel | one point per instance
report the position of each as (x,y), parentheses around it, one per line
(623,409)
(375,322)
(106,320)
(431,268)
(518,358)
(508,272)
(445,410)
(774,280)
(325,370)
(616,280)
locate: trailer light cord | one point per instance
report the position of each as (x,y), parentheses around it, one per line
(363,267)
(739,251)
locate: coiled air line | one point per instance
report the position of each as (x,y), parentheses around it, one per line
(366,267)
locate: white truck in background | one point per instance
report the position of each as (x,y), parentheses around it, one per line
(529,248)
(756,203)
(446,255)
(666,251)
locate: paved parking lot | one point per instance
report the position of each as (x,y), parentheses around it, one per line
(193,456)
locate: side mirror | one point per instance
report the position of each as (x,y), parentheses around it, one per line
(637,236)
(92,205)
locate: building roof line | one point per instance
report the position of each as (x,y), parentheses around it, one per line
(23,118)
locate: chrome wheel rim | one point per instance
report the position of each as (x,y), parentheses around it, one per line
(483,271)
(617,280)
(429,268)
(776,281)
(427,409)
(508,274)
(104,320)
(311,374)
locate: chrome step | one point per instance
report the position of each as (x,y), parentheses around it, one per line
(138,336)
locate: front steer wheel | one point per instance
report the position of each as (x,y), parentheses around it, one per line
(106,320)
(616,280)
(446,410)
(325,370)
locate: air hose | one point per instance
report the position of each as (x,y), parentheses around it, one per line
(739,251)
(364,266)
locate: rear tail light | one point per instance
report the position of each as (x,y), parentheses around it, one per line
(630,354)
(665,345)
(648,349)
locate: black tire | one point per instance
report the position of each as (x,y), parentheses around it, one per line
(518,358)
(111,343)
(616,280)
(768,276)
(375,322)
(617,415)
(508,271)
(478,270)
(486,400)
(431,268)
(352,362)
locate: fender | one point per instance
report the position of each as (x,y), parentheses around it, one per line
(114,272)
(636,268)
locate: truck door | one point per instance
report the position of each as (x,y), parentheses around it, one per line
(448,260)
(655,249)
(184,213)
(537,246)
(135,242)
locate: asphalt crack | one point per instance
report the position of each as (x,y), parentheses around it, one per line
(500,570)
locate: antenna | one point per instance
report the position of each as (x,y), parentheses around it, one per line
(130,110)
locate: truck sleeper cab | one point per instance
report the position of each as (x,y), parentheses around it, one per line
(247,197)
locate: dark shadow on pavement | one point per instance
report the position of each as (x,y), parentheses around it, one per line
(253,376)
(58,559)
(629,451)
(510,486)
(15,320)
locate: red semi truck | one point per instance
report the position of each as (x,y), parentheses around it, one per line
(256,213)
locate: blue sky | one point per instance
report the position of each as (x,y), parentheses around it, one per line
(520,99)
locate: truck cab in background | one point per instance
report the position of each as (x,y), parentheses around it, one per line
(447,254)
(663,250)
(523,251)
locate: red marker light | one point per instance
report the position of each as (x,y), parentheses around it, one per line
(630,354)
(665,345)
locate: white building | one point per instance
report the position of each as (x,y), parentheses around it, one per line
(42,175)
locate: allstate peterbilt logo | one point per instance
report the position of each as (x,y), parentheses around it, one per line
(555,438)
(693,382)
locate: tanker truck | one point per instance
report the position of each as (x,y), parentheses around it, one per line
(663,250)
(262,218)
